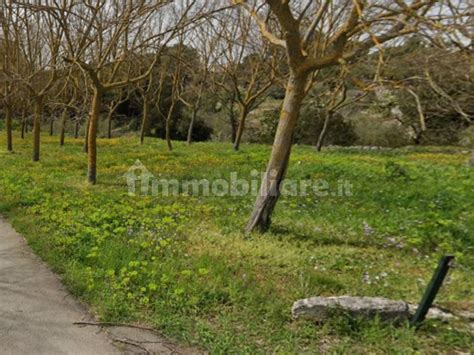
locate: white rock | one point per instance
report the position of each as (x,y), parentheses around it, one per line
(319,308)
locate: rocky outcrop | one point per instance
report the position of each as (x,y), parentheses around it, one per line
(320,308)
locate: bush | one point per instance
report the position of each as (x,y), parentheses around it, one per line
(339,131)
(311,121)
(373,130)
(179,128)
(268,126)
(467,137)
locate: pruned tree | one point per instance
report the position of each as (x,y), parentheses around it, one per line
(70,101)
(247,64)
(119,97)
(321,34)
(227,102)
(192,94)
(112,33)
(33,40)
(330,95)
(147,93)
(171,62)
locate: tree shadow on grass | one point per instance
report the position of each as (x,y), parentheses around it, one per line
(291,233)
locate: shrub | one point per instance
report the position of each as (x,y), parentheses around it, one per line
(311,121)
(373,130)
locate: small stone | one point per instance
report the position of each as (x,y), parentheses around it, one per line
(471,161)
(433,313)
(319,308)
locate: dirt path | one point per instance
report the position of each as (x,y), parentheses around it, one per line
(37,314)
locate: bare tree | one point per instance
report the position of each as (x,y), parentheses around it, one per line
(176,88)
(7,93)
(330,95)
(70,100)
(146,92)
(192,94)
(35,37)
(119,97)
(112,34)
(247,64)
(321,34)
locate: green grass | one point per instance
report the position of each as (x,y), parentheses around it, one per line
(183,264)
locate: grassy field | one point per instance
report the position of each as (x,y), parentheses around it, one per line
(183,265)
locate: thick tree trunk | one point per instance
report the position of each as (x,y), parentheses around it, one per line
(63,127)
(322,135)
(145,128)
(92,137)
(277,166)
(9,128)
(191,126)
(168,127)
(38,111)
(240,129)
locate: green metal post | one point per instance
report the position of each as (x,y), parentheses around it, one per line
(432,290)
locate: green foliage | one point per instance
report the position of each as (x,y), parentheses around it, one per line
(372,129)
(268,126)
(182,264)
(311,121)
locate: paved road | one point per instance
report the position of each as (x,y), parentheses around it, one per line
(36,313)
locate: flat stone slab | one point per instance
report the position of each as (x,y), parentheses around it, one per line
(320,308)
